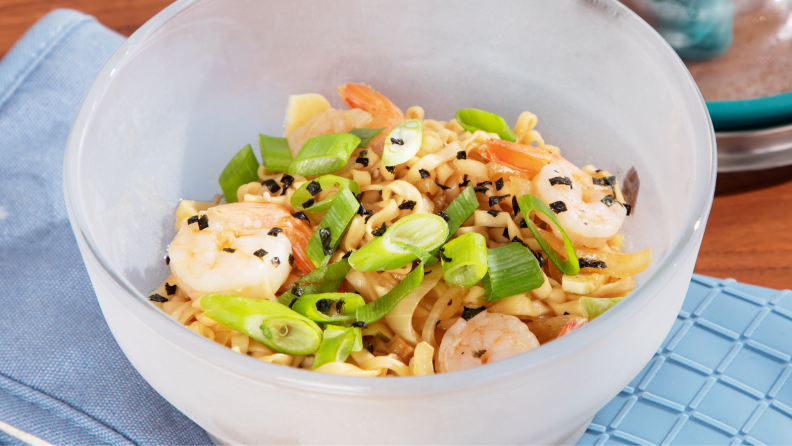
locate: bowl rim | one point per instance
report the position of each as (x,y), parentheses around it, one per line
(256,370)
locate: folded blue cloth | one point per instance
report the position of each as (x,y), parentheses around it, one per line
(63,378)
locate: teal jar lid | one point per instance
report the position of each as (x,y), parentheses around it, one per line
(751,114)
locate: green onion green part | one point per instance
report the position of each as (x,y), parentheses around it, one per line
(591,307)
(403,142)
(472,119)
(513,269)
(461,209)
(337,219)
(467,259)
(268,322)
(242,169)
(425,231)
(275,153)
(319,307)
(425,257)
(336,346)
(365,135)
(302,194)
(529,203)
(325,279)
(324,154)
(376,310)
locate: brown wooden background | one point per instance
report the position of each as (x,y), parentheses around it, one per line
(749,233)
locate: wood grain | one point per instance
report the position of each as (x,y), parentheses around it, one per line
(749,233)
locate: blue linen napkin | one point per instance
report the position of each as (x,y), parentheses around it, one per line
(63,378)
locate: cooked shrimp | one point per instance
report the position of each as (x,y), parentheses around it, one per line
(384,113)
(244,249)
(528,159)
(589,219)
(487,337)
(329,121)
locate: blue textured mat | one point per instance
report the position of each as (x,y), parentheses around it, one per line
(720,377)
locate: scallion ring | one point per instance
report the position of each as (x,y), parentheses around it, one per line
(512,269)
(275,153)
(529,203)
(302,194)
(310,306)
(466,258)
(376,310)
(324,154)
(403,142)
(472,119)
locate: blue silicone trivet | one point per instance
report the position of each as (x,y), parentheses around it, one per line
(720,377)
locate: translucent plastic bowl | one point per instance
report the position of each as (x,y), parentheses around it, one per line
(203,78)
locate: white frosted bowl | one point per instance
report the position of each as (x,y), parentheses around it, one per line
(203,78)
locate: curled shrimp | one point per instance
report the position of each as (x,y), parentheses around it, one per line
(329,121)
(244,249)
(384,113)
(487,337)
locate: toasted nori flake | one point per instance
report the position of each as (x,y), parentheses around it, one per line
(469,313)
(275,231)
(363,153)
(558,207)
(461,155)
(170,289)
(348,253)
(566,181)
(506,233)
(499,183)
(291,304)
(566,313)
(608,200)
(442,186)
(368,216)
(362,160)
(442,255)
(360,324)
(444,215)
(297,291)
(272,185)
(367,212)
(167,258)
(340,306)
(291,259)
(300,215)
(518,240)
(231,250)
(477,354)
(327,241)
(287,180)
(380,192)
(370,348)
(391,169)
(158,298)
(481,189)
(424,173)
(628,207)
(464,184)
(494,212)
(540,258)
(323,305)
(485,183)
(275,262)
(397,141)
(497,199)
(314,188)
(438,321)
(308,203)
(588,263)
(523,224)
(515,206)
(409,204)
(260,253)
(604,181)
(203,222)
(380,231)
(193,219)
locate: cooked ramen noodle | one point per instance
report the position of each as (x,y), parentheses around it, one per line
(374,242)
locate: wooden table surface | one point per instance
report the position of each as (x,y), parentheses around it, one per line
(749,233)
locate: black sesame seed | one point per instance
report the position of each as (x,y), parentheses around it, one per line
(308,203)
(566,181)
(231,250)
(469,313)
(499,183)
(409,204)
(442,186)
(291,304)
(300,215)
(558,207)
(275,231)
(588,263)
(323,305)
(608,200)
(158,298)
(391,169)
(494,212)
(461,155)
(291,259)
(327,241)
(297,291)
(314,188)
(260,253)
(444,215)
(360,324)
(424,173)
(485,183)
(193,219)
(397,141)
(272,185)
(275,262)
(362,160)
(497,199)
(380,231)
(170,289)
(348,253)
(203,222)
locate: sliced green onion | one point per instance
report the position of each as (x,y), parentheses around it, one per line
(461,209)
(465,259)
(472,119)
(513,269)
(275,153)
(309,288)
(426,231)
(318,307)
(242,169)
(365,135)
(268,322)
(336,346)
(325,279)
(374,311)
(336,220)
(529,203)
(592,307)
(324,154)
(425,257)
(302,195)
(403,142)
